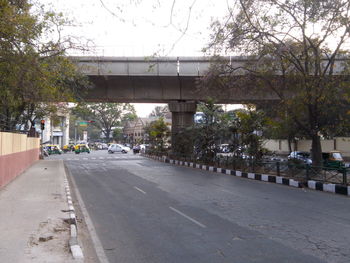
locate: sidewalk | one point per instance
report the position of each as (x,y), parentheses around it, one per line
(31,217)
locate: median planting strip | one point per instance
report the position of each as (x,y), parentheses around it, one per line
(315,185)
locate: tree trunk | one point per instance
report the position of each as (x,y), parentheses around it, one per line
(8,120)
(316,150)
(107,133)
(290,144)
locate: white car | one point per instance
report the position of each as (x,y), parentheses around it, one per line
(118,148)
(127,148)
(303,157)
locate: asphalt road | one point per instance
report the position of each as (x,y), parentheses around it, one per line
(148,211)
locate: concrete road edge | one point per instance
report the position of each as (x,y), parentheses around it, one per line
(73,242)
(91,229)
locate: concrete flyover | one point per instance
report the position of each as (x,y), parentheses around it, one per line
(156,80)
(172,80)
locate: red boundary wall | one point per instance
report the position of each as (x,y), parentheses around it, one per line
(12,165)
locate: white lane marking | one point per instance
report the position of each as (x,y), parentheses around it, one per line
(139,164)
(188,217)
(227,191)
(138,189)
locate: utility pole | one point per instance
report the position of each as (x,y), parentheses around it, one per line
(42,127)
(75,132)
(51,131)
(81,123)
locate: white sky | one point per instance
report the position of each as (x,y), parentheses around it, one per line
(144,109)
(141,27)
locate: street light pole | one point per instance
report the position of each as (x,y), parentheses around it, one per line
(51,132)
(75,132)
(42,128)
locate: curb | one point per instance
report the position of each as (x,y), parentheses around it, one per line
(73,241)
(315,185)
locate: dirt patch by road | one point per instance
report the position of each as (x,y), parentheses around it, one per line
(49,243)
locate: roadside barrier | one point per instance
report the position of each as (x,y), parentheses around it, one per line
(312,184)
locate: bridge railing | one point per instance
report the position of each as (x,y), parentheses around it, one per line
(135,50)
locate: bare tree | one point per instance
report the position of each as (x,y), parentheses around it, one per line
(296,50)
(159,111)
(182,28)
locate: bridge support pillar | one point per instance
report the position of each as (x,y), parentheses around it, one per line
(182,117)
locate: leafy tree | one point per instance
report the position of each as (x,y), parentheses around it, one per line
(105,116)
(158,135)
(250,126)
(129,116)
(94,133)
(32,71)
(118,135)
(278,124)
(208,132)
(203,139)
(159,111)
(296,51)
(241,129)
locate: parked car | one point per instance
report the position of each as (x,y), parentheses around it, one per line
(332,159)
(224,148)
(301,157)
(104,146)
(136,149)
(118,148)
(143,146)
(127,147)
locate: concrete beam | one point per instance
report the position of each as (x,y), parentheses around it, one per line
(163,89)
(162,80)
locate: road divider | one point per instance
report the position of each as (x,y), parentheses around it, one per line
(333,188)
(73,242)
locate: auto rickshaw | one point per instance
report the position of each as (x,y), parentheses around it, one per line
(333,159)
(53,149)
(79,148)
(66,148)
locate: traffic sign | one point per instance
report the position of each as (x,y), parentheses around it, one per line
(83,123)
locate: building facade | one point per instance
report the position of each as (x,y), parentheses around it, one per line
(57,129)
(134,131)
